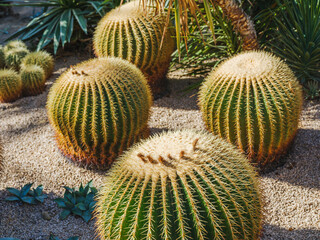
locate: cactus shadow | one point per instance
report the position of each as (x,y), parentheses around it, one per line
(278,233)
(301,165)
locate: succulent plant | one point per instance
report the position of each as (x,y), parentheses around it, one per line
(98,109)
(42,59)
(134,33)
(33,80)
(2,58)
(10,85)
(180,185)
(14,44)
(25,195)
(13,57)
(254,101)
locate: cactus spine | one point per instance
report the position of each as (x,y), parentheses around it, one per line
(42,59)
(134,33)
(10,85)
(33,80)
(13,57)
(254,101)
(180,185)
(98,109)
(14,44)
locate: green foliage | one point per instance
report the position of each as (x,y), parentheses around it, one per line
(26,195)
(62,21)
(180,185)
(102,112)
(297,37)
(78,202)
(312,90)
(254,101)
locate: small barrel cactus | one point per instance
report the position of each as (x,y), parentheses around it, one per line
(10,85)
(15,44)
(254,101)
(135,33)
(13,57)
(42,59)
(98,109)
(33,80)
(2,58)
(180,185)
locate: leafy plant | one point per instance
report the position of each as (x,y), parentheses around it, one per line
(298,37)
(312,90)
(62,21)
(78,202)
(26,195)
(52,237)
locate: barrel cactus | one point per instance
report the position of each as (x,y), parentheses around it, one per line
(2,58)
(33,80)
(10,85)
(254,101)
(180,185)
(13,57)
(42,59)
(134,33)
(15,44)
(98,108)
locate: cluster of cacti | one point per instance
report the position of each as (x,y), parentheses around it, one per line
(33,80)
(10,85)
(16,56)
(42,59)
(136,34)
(98,108)
(254,101)
(180,185)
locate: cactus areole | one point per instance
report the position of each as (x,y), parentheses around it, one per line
(98,108)
(135,33)
(254,101)
(180,185)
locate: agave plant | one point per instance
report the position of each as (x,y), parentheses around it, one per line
(62,20)
(298,37)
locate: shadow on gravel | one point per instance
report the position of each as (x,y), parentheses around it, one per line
(272,232)
(302,164)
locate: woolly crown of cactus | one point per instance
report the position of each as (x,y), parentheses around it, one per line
(180,185)
(98,108)
(135,34)
(10,85)
(42,59)
(254,101)
(33,80)
(14,44)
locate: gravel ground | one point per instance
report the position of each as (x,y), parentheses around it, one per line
(292,203)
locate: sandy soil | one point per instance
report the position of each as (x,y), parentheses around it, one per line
(292,209)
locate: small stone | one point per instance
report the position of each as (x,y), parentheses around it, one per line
(45,215)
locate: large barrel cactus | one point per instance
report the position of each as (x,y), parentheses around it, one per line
(10,85)
(33,80)
(135,33)
(42,59)
(180,185)
(98,108)
(254,101)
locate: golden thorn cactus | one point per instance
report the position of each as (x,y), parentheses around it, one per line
(134,33)
(254,101)
(42,59)
(13,57)
(10,85)
(98,108)
(180,185)
(33,80)
(14,44)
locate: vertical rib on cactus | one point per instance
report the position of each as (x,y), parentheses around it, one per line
(180,185)
(42,59)
(133,33)
(33,80)
(98,108)
(10,85)
(254,101)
